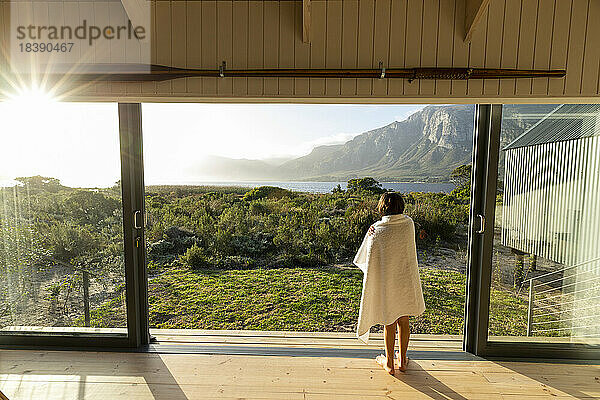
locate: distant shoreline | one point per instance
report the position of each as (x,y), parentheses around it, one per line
(313,186)
(234,183)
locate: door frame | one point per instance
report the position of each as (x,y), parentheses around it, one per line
(486,148)
(481,220)
(136,276)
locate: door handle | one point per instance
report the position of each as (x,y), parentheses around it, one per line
(482,224)
(136,214)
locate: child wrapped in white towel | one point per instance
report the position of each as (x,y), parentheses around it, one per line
(391,284)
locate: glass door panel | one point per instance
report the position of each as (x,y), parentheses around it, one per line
(546,258)
(61,219)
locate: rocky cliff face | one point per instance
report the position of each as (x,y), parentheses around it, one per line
(448,127)
(426,143)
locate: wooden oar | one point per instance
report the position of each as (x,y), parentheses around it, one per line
(157,73)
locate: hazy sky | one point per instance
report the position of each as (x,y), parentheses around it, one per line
(261,130)
(78,142)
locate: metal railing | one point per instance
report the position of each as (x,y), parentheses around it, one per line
(557,299)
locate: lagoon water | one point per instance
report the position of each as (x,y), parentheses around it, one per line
(326,187)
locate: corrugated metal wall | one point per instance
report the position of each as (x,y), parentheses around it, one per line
(551,209)
(552,200)
(360,33)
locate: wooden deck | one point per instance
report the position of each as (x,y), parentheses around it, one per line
(284,365)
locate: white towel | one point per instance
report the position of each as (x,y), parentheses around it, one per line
(391,283)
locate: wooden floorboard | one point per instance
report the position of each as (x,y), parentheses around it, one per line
(304,367)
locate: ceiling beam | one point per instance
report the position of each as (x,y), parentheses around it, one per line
(474,12)
(138,12)
(306,10)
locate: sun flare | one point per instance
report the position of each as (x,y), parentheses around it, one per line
(34,95)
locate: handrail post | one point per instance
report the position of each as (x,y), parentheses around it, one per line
(530,309)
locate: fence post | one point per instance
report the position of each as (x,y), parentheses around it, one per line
(530,309)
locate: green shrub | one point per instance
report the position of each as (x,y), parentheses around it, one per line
(271,192)
(368,185)
(153,267)
(175,241)
(196,258)
(258,209)
(274,227)
(437,215)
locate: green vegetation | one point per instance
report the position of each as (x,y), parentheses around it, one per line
(272,227)
(221,258)
(508,313)
(301,299)
(56,242)
(364,185)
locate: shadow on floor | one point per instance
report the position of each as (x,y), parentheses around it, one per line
(159,379)
(579,381)
(422,381)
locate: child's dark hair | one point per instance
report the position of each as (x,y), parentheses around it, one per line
(390,203)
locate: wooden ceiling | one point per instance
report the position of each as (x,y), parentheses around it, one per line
(524,34)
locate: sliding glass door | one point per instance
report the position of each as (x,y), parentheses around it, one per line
(546,255)
(72,234)
(539,259)
(62,245)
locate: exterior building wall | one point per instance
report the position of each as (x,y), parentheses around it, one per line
(552,210)
(551,200)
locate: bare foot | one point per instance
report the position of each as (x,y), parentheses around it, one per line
(382,360)
(402,362)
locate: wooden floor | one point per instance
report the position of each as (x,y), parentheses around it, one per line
(284,365)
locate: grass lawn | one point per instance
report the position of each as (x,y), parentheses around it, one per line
(301,299)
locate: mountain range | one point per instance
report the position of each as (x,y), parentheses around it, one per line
(426,146)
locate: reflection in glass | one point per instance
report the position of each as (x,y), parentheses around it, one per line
(546,265)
